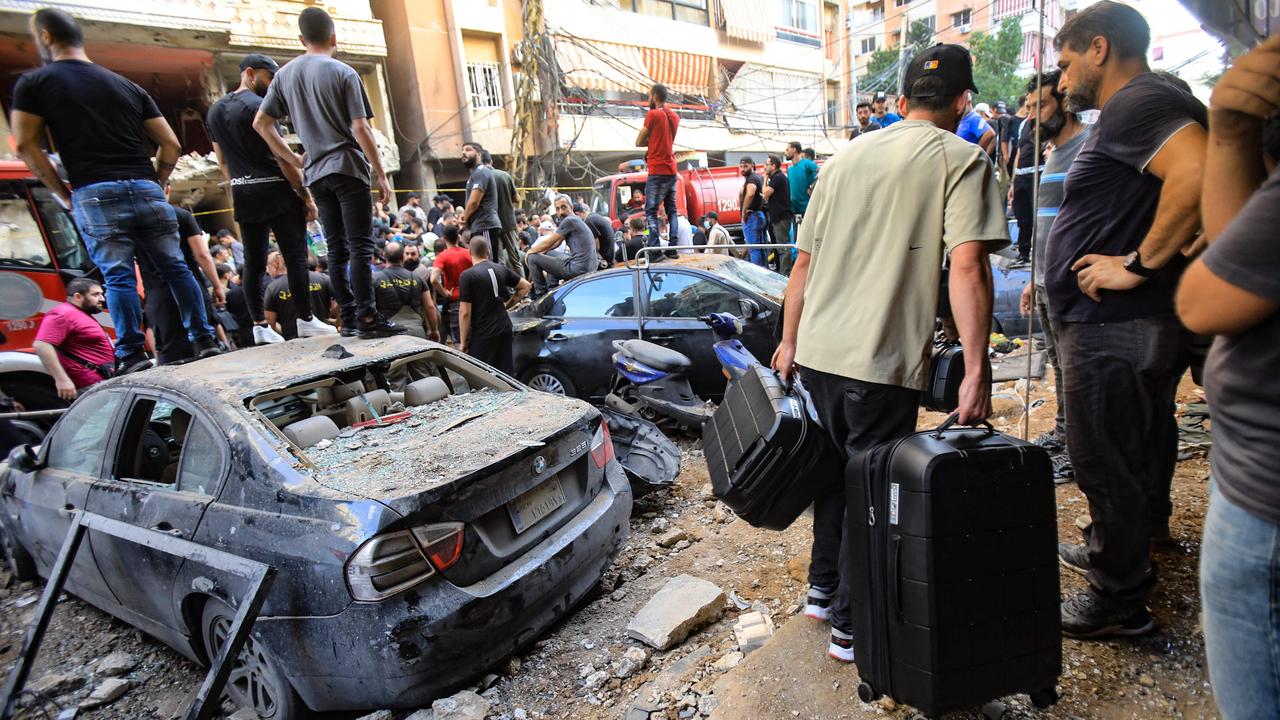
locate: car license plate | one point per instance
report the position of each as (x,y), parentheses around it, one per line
(536,504)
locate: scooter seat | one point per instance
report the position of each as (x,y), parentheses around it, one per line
(656,356)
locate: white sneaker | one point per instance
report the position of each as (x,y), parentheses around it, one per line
(841,647)
(264,335)
(818,604)
(315,326)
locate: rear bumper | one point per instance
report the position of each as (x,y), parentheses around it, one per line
(417,646)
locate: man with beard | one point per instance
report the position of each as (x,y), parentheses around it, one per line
(580,259)
(413,262)
(865,123)
(751,200)
(404,297)
(480,214)
(102,125)
(1066,134)
(268,197)
(71,344)
(658,137)
(328,107)
(507,251)
(1113,260)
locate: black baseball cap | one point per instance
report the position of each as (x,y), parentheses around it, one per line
(259,61)
(880,96)
(950,63)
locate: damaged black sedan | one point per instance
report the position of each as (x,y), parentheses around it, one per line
(427,516)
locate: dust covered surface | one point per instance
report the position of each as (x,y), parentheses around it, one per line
(443,441)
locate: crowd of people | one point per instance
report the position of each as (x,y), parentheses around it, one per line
(1152,223)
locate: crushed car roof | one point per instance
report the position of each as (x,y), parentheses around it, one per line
(247,373)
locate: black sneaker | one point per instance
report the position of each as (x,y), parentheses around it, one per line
(818,604)
(1050,441)
(132,363)
(379,328)
(1063,473)
(841,646)
(206,346)
(1087,616)
(1074,558)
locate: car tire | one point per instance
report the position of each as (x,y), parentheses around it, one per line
(547,378)
(20,563)
(256,681)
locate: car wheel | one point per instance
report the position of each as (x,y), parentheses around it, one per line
(548,379)
(255,681)
(20,563)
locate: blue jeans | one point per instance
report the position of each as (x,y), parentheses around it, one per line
(659,190)
(1240,587)
(124,219)
(753,226)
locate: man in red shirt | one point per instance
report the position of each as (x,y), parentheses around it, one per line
(451,263)
(659,135)
(71,345)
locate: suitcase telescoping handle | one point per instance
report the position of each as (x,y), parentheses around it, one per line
(955,417)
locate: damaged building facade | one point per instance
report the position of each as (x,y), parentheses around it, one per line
(186,54)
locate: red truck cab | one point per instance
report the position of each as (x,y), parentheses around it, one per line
(40,252)
(698,191)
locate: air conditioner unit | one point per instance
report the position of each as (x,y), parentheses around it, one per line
(963,28)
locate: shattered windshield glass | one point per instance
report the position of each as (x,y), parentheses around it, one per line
(765,282)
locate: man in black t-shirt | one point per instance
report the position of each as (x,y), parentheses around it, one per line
(1027,161)
(102,125)
(752,203)
(268,198)
(1114,256)
(162,313)
(602,229)
(278,306)
(404,297)
(484,292)
(777,198)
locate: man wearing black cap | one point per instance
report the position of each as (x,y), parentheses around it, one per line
(879,107)
(268,197)
(930,194)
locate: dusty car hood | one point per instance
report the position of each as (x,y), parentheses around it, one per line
(445,442)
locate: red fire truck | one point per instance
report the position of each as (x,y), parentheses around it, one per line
(40,252)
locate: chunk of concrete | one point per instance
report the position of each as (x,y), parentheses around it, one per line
(465,705)
(727,662)
(422,715)
(109,691)
(752,631)
(117,663)
(683,605)
(379,715)
(55,684)
(632,662)
(671,537)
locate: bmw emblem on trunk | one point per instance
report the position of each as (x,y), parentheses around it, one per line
(539,464)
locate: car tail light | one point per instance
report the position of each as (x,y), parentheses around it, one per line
(442,544)
(386,565)
(602,445)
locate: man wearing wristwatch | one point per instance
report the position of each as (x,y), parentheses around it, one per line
(1114,257)
(102,125)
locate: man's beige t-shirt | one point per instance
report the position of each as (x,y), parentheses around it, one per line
(885,210)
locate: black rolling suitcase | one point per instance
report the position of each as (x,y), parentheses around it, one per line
(954,570)
(767,456)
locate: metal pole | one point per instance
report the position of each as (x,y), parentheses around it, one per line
(1035,225)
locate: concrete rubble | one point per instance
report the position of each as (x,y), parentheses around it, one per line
(109,691)
(683,605)
(117,663)
(465,705)
(752,631)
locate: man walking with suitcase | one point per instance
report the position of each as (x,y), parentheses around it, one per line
(860,308)
(1113,260)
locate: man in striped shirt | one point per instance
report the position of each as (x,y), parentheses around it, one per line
(1065,134)
(484,293)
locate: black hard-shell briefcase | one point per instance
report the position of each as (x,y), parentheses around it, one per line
(954,570)
(766,453)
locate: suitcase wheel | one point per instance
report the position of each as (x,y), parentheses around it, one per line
(1042,699)
(867,693)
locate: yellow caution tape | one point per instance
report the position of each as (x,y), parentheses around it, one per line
(419,190)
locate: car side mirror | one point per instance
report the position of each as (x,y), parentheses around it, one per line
(748,308)
(25,458)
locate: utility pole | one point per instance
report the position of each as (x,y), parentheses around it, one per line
(528,119)
(902,52)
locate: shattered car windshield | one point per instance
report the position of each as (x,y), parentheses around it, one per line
(755,278)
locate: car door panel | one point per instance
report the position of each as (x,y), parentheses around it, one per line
(582,324)
(675,299)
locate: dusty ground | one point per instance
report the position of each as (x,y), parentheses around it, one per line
(1162,675)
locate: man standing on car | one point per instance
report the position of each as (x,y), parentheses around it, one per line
(1112,263)
(101,124)
(777,198)
(71,344)
(329,109)
(269,198)
(659,135)
(580,259)
(751,200)
(486,289)
(930,194)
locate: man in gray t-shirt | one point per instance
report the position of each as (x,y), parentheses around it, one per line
(480,214)
(326,104)
(581,243)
